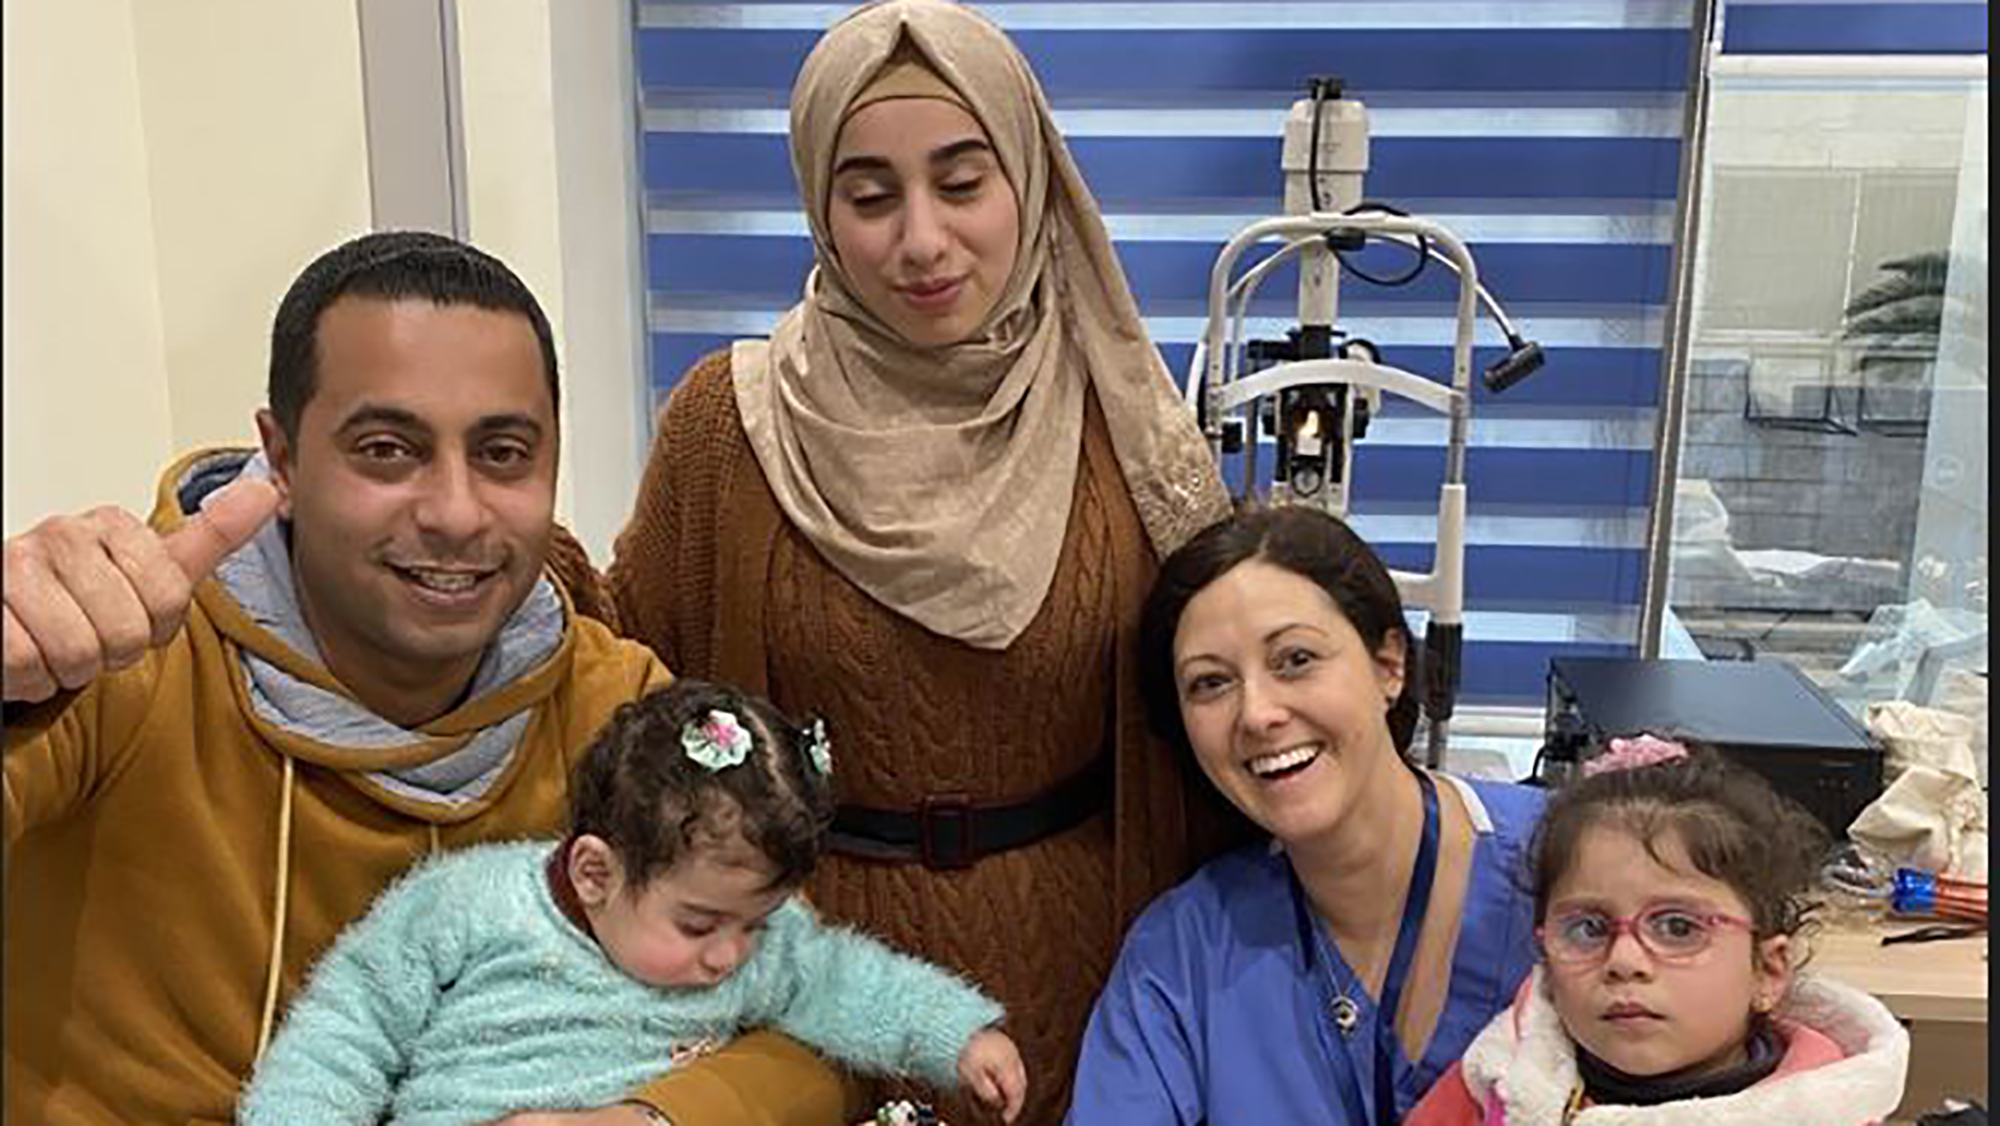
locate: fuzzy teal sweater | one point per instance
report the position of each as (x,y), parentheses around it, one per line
(466,995)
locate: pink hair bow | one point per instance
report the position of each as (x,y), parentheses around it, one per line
(1629,754)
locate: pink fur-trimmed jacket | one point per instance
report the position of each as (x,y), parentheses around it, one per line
(1844,1063)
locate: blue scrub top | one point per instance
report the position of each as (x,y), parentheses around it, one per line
(1215,1013)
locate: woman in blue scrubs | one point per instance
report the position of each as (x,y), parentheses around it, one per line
(1330,972)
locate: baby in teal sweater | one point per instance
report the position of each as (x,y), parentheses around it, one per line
(563,975)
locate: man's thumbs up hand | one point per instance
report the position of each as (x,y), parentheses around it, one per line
(90,593)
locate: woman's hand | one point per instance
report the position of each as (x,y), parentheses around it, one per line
(991,1067)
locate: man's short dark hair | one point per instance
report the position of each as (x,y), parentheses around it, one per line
(390,265)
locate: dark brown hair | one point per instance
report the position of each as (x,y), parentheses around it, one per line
(1309,543)
(391,266)
(636,787)
(1732,825)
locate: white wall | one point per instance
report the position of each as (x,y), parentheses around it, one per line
(85,379)
(259,162)
(597,127)
(549,133)
(510,176)
(170,167)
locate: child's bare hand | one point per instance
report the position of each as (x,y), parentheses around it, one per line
(991,1066)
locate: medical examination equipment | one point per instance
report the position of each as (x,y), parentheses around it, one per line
(1321,386)
(1762,715)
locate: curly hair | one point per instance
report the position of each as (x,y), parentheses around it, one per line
(638,790)
(1733,826)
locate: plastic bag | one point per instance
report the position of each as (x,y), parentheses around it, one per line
(1962,692)
(1856,886)
(1933,815)
(1917,736)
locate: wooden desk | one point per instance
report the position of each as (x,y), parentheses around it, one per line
(1939,991)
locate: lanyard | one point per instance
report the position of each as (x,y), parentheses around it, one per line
(1313,939)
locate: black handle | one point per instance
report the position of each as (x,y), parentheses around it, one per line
(1523,361)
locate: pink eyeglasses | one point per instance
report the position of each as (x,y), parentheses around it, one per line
(1669,932)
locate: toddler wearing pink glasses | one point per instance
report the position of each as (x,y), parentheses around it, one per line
(1671,889)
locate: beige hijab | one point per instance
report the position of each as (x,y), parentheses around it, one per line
(940,479)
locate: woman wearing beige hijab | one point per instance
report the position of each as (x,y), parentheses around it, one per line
(928,510)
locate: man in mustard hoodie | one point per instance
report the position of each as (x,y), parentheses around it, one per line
(227,732)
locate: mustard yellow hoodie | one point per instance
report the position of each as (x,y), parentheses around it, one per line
(161,831)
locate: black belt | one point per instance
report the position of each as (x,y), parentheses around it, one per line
(953,831)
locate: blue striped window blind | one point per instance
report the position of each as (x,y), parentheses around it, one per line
(1548,133)
(1853,27)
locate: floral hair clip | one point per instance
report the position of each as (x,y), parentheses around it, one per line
(716,740)
(1630,754)
(818,749)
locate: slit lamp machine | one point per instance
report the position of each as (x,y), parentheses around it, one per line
(1315,392)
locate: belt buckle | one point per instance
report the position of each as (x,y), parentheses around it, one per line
(944,831)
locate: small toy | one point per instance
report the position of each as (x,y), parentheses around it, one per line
(903,1112)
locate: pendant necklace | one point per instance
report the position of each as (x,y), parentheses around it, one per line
(1346,1014)
(1342,984)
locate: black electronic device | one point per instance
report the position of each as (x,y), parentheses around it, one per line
(1761,714)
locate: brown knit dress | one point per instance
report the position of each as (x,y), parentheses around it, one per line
(710,574)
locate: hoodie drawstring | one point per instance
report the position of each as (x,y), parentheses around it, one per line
(277,958)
